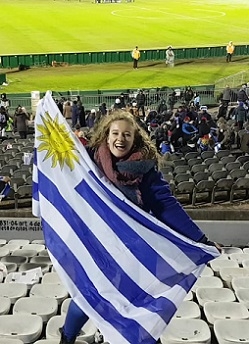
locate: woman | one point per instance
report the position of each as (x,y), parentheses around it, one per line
(126,155)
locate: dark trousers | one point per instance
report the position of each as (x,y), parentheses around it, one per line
(135,61)
(229,57)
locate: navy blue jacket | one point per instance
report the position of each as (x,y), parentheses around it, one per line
(158,199)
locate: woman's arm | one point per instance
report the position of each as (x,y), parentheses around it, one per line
(158,198)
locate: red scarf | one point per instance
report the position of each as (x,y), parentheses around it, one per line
(127,176)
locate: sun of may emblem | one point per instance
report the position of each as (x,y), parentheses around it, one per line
(57,142)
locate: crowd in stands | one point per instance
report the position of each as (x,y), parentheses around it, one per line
(176,130)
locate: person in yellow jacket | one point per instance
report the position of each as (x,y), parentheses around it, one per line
(230,50)
(136,56)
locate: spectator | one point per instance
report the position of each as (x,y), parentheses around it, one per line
(230,50)
(67,110)
(3,120)
(240,115)
(242,95)
(136,56)
(81,112)
(117,105)
(20,123)
(140,99)
(172,100)
(226,95)
(188,95)
(161,134)
(188,129)
(170,57)
(5,102)
(103,109)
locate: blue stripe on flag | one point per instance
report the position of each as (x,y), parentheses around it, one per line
(103,307)
(146,254)
(103,259)
(193,252)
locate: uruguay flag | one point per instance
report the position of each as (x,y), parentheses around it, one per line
(128,271)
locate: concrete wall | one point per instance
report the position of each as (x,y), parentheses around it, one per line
(234,233)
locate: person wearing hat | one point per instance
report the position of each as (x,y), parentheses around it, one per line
(170,57)
(230,50)
(136,56)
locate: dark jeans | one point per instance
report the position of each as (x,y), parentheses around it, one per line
(135,61)
(229,57)
(75,320)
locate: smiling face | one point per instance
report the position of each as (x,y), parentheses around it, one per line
(121,138)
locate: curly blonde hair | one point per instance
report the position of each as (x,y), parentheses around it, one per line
(142,142)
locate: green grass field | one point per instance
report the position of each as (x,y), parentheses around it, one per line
(46,26)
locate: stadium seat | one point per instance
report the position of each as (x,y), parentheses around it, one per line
(65,305)
(56,291)
(231,249)
(227,274)
(12,247)
(191,155)
(37,247)
(217,264)
(242,159)
(14,259)
(30,266)
(243,296)
(188,310)
(216,166)
(239,257)
(57,321)
(5,304)
(189,296)
(181,169)
(232,165)
(207,282)
(222,186)
(237,173)
(240,185)
(44,307)
(29,278)
(182,177)
(204,295)
(19,242)
(195,161)
(224,310)
(210,161)
(203,187)
(240,283)
(198,176)
(222,153)
(4,251)
(198,168)
(27,328)
(207,272)
(10,341)
(185,188)
(41,260)
(51,277)
(231,331)
(186,331)
(13,291)
(38,241)
(207,154)
(24,253)
(11,267)
(227,159)
(3,242)
(216,175)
